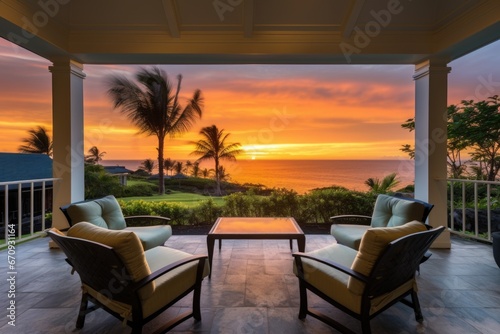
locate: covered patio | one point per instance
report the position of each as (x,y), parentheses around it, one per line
(427,34)
(253,290)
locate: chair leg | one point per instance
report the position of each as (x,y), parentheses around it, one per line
(136,329)
(80,321)
(196,302)
(303,300)
(365,326)
(416,307)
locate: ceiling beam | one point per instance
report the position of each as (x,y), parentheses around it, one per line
(248,8)
(353,17)
(172,21)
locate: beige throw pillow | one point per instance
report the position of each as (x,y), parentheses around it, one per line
(126,244)
(374,241)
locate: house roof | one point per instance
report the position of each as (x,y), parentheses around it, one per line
(117,170)
(24,166)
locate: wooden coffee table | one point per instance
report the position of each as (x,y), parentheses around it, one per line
(254,228)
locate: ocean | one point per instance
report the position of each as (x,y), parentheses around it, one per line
(304,175)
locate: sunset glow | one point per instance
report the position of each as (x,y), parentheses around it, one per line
(274,112)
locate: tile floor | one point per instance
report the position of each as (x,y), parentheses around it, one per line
(253,290)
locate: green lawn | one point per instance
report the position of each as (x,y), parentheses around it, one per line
(188,199)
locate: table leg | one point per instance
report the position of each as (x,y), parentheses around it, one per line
(210,247)
(220,244)
(301,242)
(291,245)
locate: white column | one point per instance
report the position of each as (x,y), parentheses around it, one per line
(431,87)
(67,113)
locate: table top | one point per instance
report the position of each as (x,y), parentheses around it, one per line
(256,225)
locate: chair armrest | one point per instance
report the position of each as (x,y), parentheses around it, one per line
(351,219)
(146,218)
(298,257)
(160,272)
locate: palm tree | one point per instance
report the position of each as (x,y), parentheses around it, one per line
(195,169)
(148,166)
(189,165)
(223,175)
(153,106)
(214,146)
(179,167)
(94,156)
(169,164)
(205,172)
(37,142)
(383,187)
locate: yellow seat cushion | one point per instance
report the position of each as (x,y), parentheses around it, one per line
(167,287)
(125,243)
(333,282)
(374,241)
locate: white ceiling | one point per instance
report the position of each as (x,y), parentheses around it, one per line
(251,31)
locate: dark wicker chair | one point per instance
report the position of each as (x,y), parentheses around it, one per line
(355,225)
(394,268)
(101,269)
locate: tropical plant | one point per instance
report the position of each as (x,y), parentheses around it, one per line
(37,142)
(148,166)
(195,169)
(479,124)
(214,146)
(179,167)
(169,164)
(388,183)
(94,156)
(223,174)
(188,166)
(474,127)
(98,183)
(205,172)
(153,106)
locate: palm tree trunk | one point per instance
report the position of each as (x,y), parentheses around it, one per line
(161,182)
(217,177)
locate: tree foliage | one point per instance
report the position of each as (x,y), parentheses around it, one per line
(152,104)
(472,127)
(38,141)
(384,186)
(148,165)
(94,156)
(213,145)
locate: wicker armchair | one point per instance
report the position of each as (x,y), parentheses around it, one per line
(363,284)
(106,212)
(133,285)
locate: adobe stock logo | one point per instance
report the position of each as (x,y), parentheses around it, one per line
(228,6)
(363,38)
(40,18)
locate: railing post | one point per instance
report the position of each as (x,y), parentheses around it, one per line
(477,233)
(43,205)
(452,205)
(476,217)
(488,212)
(9,215)
(6,213)
(463,207)
(20,210)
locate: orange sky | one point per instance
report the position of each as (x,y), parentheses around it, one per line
(275,112)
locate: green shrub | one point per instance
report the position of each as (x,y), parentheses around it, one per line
(319,205)
(314,207)
(140,189)
(206,212)
(98,183)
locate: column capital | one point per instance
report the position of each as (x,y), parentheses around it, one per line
(70,66)
(426,67)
